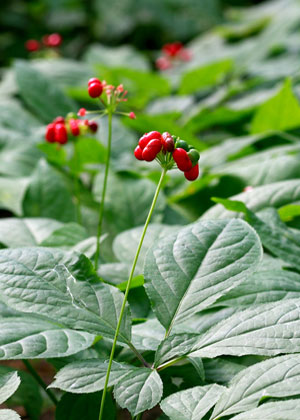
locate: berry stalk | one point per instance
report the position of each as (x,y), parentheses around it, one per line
(158,188)
(101,210)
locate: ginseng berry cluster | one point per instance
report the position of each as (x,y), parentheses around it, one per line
(59,130)
(169,150)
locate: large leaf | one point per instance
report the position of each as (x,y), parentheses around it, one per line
(276,195)
(282,112)
(55,284)
(12,192)
(266,330)
(48,195)
(9,383)
(31,338)
(283,410)
(41,94)
(263,287)
(191,404)
(188,271)
(277,377)
(89,375)
(139,391)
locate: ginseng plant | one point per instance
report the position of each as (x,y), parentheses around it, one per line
(168,151)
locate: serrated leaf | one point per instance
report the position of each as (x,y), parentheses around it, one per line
(9,383)
(188,271)
(147,335)
(191,404)
(41,94)
(89,375)
(31,338)
(263,287)
(266,330)
(139,391)
(276,195)
(283,410)
(66,236)
(56,284)
(277,377)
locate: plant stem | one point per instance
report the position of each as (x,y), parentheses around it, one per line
(158,188)
(40,381)
(139,416)
(170,363)
(101,210)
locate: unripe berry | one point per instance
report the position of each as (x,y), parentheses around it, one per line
(50,133)
(182,145)
(93,126)
(138,153)
(61,135)
(182,160)
(81,112)
(193,173)
(147,137)
(151,150)
(74,127)
(194,156)
(167,142)
(95,89)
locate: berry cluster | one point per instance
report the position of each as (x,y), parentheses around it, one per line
(171,53)
(168,149)
(48,41)
(113,96)
(59,130)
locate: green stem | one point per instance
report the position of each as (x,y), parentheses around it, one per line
(170,363)
(40,381)
(139,416)
(101,210)
(128,288)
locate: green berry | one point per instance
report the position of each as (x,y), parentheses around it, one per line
(194,156)
(181,144)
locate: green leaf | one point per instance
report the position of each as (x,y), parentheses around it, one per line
(283,410)
(57,284)
(277,377)
(88,153)
(9,383)
(48,195)
(19,232)
(145,392)
(276,195)
(66,236)
(203,77)
(31,338)
(41,94)
(147,335)
(263,287)
(86,406)
(12,192)
(89,375)
(282,112)
(188,271)
(191,404)
(133,194)
(266,330)
(289,212)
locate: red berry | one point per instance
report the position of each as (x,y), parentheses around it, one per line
(94,80)
(144,140)
(167,142)
(53,40)
(138,153)
(74,126)
(132,115)
(93,126)
(59,120)
(81,112)
(172,49)
(151,150)
(182,159)
(193,173)
(163,63)
(61,135)
(32,45)
(95,89)
(50,133)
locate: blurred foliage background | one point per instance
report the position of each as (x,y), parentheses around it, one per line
(146,24)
